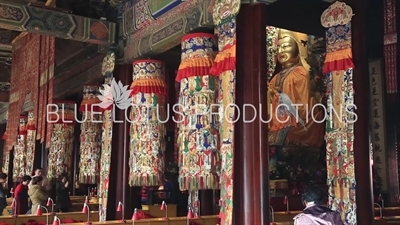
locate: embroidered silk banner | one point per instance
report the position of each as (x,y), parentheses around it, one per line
(6,161)
(20,150)
(199,159)
(62,139)
(90,145)
(6,153)
(338,69)
(148,91)
(390,45)
(24,80)
(105,159)
(47,48)
(30,143)
(30,73)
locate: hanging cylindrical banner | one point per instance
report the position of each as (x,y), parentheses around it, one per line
(105,158)
(6,152)
(198,134)
(62,119)
(30,143)
(6,156)
(19,150)
(339,131)
(90,145)
(148,116)
(6,160)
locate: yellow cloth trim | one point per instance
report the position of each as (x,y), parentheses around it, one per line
(226,53)
(148,82)
(339,55)
(196,62)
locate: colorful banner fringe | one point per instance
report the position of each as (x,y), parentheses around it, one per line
(20,150)
(339,135)
(30,143)
(390,45)
(105,158)
(62,139)
(199,160)
(148,132)
(90,143)
(225,68)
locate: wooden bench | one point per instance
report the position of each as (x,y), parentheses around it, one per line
(74,216)
(156,212)
(387,220)
(7,220)
(74,208)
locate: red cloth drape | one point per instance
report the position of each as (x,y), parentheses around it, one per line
(390,45)
(24,78)
(32,68)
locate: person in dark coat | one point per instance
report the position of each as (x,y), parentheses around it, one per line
(316,213)
(63,201)
(3,196)
(21,196)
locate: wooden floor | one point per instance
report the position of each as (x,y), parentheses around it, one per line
(391,215)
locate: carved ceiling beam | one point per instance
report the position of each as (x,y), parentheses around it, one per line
(153,36)
(64,88)
(45,21)
(72,64)
(4,96)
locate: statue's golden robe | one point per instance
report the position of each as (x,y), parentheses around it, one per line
(296,86)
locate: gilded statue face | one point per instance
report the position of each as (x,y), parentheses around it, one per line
(288,52)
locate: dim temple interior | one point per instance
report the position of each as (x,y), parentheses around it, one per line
(146,112)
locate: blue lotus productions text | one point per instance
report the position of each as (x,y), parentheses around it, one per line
(231,113)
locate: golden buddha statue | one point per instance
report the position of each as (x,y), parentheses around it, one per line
(295,119)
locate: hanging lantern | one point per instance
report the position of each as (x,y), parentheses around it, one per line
(147,127)
(20,150)
(198,134)
(90,139)
(62,119)
(30,143)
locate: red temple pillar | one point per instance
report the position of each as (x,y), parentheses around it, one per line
(362,158)
(118,189)
(251,178)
